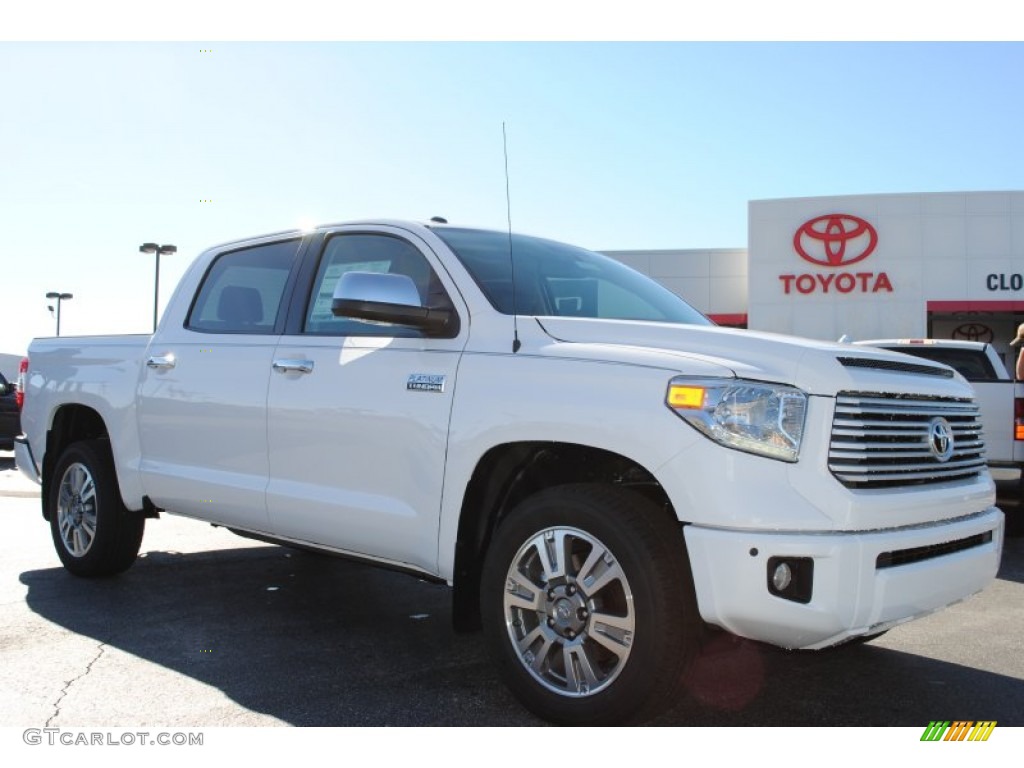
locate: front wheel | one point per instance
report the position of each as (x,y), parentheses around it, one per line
(93,533)
(588,605)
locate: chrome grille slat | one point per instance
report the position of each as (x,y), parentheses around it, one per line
(878,414)
(870,470)
(910,425)
(911,444)
(901,446)
(900,406)
(910,452)
(899,478)
(911,433)
(884,405)
(883,441)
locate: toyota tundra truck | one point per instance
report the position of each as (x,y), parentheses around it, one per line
(601,474)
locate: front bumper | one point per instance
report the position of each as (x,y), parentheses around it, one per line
(851,594)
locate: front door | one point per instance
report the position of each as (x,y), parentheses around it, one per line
(359,412)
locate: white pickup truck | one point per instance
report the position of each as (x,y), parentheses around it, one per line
(598,471)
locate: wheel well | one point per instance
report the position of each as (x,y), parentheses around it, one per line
(508,474)
(71,423)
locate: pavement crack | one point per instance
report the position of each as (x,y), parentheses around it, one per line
(67,685)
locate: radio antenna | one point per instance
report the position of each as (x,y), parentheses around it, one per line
(511,262)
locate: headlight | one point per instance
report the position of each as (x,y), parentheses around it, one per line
(751,416)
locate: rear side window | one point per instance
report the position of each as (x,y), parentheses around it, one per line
(243,290)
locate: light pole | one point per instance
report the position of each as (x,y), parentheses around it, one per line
(59,297)
(158,250)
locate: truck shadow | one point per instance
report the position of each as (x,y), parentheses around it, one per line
(309,639)
(316,641)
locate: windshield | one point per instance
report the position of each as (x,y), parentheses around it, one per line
(555,279)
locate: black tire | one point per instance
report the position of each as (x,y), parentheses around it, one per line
(93,533)
(627,563)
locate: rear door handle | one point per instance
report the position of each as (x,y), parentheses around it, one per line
(293,366)
(161,361)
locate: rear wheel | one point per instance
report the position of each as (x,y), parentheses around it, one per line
(93,533)
(588,606)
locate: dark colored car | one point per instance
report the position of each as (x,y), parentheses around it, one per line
(10,422)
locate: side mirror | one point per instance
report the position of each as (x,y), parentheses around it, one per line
(380,297)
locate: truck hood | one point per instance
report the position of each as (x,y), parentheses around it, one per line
(819,368)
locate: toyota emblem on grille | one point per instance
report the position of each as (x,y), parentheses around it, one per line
(940,438)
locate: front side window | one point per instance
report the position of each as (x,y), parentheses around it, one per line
(243,290)
(369,253)
(555,279)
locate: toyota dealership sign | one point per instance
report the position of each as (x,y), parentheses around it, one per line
(939,264)
(833,244)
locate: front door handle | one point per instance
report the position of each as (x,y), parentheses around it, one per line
(293,366)
(161,361)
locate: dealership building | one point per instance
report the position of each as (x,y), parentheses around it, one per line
(939,265)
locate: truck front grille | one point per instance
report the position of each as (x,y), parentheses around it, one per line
(888,441)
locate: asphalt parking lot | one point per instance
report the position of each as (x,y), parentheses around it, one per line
(208,629)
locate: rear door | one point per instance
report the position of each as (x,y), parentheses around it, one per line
(203,392)
(359,412)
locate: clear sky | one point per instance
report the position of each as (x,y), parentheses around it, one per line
(104,146)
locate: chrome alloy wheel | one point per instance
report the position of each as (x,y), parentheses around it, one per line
(569,611)
(76,509)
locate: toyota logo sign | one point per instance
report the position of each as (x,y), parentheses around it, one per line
(835,240)
(974,332)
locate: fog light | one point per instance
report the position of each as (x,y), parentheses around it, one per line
(791,578)
(782,577)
